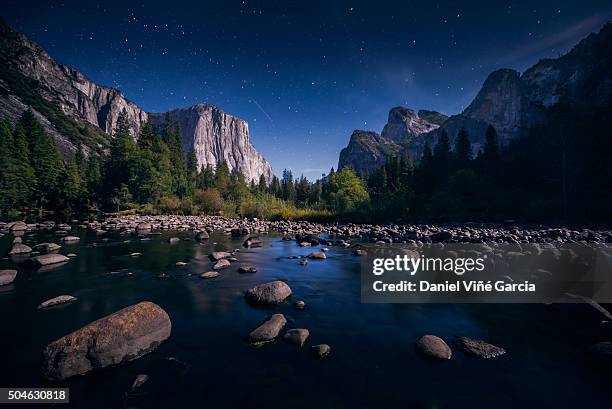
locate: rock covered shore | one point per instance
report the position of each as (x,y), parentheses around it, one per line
(388,233)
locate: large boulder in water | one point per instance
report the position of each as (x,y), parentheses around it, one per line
(123,336)
(268,293)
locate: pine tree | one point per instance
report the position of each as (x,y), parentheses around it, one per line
(222,179)
(490,152)
(463,150)
(442,157)
(302,191)
(262,186)
(426,180)
(206,178)
(192,169)
(147,136)
(275,187)
(287,186)
(26,182)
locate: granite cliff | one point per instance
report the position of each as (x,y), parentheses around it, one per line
(514,103)
(75,111)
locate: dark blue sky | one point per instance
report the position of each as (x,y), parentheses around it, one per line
(304,74)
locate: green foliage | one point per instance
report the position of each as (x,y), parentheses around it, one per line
(346,191)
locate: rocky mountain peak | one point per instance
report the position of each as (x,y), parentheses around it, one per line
(404,124)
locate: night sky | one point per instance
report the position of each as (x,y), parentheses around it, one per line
(303,74)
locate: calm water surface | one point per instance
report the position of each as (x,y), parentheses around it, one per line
(372,365)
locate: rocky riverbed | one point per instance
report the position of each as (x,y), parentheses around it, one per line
(272,306)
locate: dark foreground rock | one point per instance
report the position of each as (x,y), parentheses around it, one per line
(432,346)
(478,348)
(268,293)
(7,276)
(61,299)
(269,330)
(297,336)
(320,351)
(123,336)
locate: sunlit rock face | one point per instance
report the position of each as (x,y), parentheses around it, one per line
(217,136)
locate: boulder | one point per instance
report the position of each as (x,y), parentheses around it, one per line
(17,226)
(142,227)
(297,336)
(221,264)
(268,293)
(209,274)
(478,348)
(317,255)
(433,347)
(20,249)
(120,337)
(47,247)
(252,242)
(173,240)
(7,276)
(71,239)
(268,330)
(247,269)
(47,259)
(299,305)
(202,235)
(321,350)
(62,299)
(219,255)
(18,240)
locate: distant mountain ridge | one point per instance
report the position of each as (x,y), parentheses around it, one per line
(513,103)
(77,112)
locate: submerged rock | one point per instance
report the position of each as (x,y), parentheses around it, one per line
(478,348)
(62,299)
(321,350)
(317,255)
(173,240)
(247,269)
(123,336)
(48,259)
(252,242)
(299,305)
(47,247)
(297,336)
(268,330)
(209,274)
(138,382)
(603,350)
(433,347)
(7,276)
(268,293)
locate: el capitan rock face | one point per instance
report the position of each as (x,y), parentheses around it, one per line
(31,79)
(218,136)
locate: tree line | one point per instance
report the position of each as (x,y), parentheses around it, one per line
(560,172)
